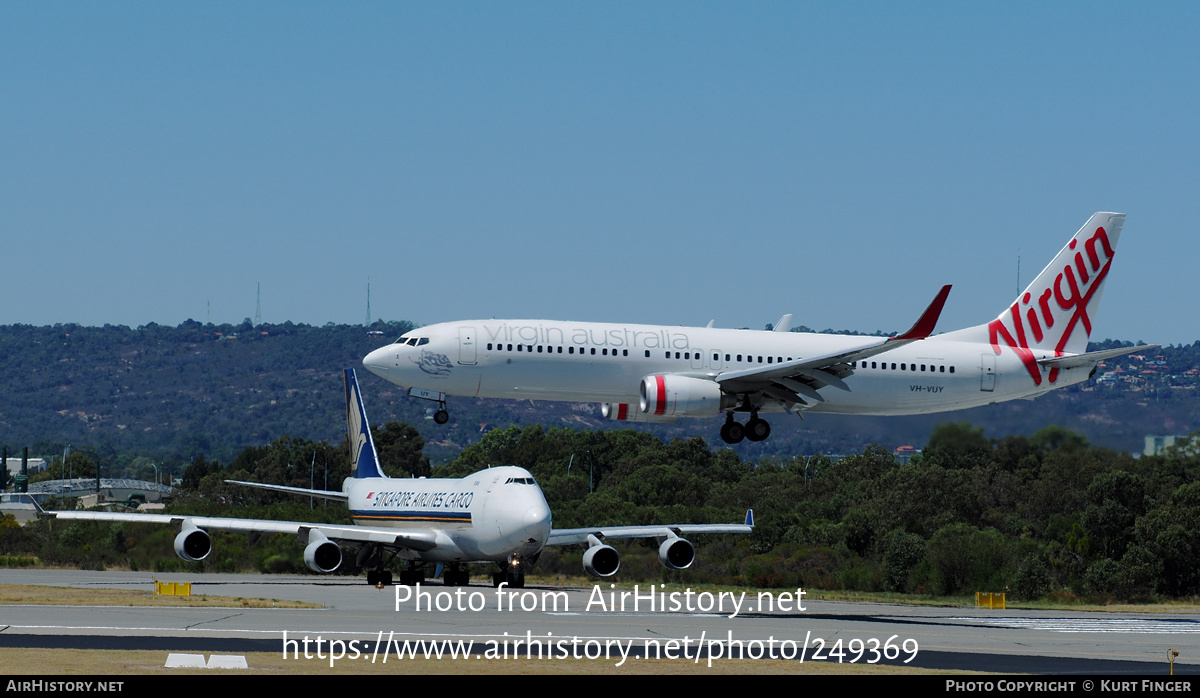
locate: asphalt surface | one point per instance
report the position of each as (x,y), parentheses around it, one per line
(590,622)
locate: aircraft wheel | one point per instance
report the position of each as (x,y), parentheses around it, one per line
(372,577)
(441,416)
(385,578)
(758,429)
(732,432)
(515,578)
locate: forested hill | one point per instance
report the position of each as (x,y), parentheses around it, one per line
(178,392)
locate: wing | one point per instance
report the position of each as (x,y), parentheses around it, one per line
(413,539)
(792,381)
(569,536)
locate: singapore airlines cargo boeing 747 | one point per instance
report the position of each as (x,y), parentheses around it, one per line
(645,373)
(496,515)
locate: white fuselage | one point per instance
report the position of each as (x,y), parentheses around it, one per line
(605,363)
(486,516)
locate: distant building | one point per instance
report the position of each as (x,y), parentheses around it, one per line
(1157,445)
(35,465)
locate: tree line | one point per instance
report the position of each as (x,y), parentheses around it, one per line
(1048,515)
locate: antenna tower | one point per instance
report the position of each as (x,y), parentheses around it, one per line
(258,306)
(368,301)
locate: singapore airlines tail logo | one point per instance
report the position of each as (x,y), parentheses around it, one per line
(362,453)
(1050,311)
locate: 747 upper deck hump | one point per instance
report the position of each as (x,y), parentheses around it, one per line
(652,373)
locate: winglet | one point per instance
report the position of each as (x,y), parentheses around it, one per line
(928,319)
(750,518)
(364,461)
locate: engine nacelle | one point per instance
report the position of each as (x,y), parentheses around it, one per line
(322,555)
(601,560)
(676,553)
(670,395)
(192,544)
(624,412)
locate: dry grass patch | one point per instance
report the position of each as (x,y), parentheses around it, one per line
(30,595)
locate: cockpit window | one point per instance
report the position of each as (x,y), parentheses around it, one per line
(520,481)
(423,340)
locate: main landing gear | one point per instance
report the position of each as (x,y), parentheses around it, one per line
(756,429)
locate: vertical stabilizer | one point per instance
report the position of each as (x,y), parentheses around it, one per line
(1053,316)
(364,462)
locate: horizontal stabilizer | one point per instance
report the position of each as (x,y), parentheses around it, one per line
(1090,358)
(323,494)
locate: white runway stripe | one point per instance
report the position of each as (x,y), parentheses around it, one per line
(1096,625)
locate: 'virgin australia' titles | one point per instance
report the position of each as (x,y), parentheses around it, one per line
(647,373)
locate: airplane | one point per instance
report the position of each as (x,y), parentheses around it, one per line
(646,373)
(495,515)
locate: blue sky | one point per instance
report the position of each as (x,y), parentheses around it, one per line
(642,162)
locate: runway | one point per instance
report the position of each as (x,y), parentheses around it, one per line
(586,621)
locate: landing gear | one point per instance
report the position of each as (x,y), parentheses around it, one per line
(441,416)
(379,578)
(513,574)
(412,577)
(372,556)
(456,576)
(756,429)
(731,431)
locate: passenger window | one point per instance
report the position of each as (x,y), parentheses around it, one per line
(952,369)
(903,367)
(769,359)
(893,367)
(593,351)
(647,353)
(941,369)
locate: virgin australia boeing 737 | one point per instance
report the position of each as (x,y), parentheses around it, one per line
(657,374)
(496,515)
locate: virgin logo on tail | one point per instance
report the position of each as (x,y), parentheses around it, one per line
(1054,309)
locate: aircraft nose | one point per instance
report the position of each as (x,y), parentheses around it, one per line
(377,362)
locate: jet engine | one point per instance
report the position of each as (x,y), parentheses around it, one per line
(192,544)
(676,553)
(683,396)
(624,412)
(321,555)
(601,560)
